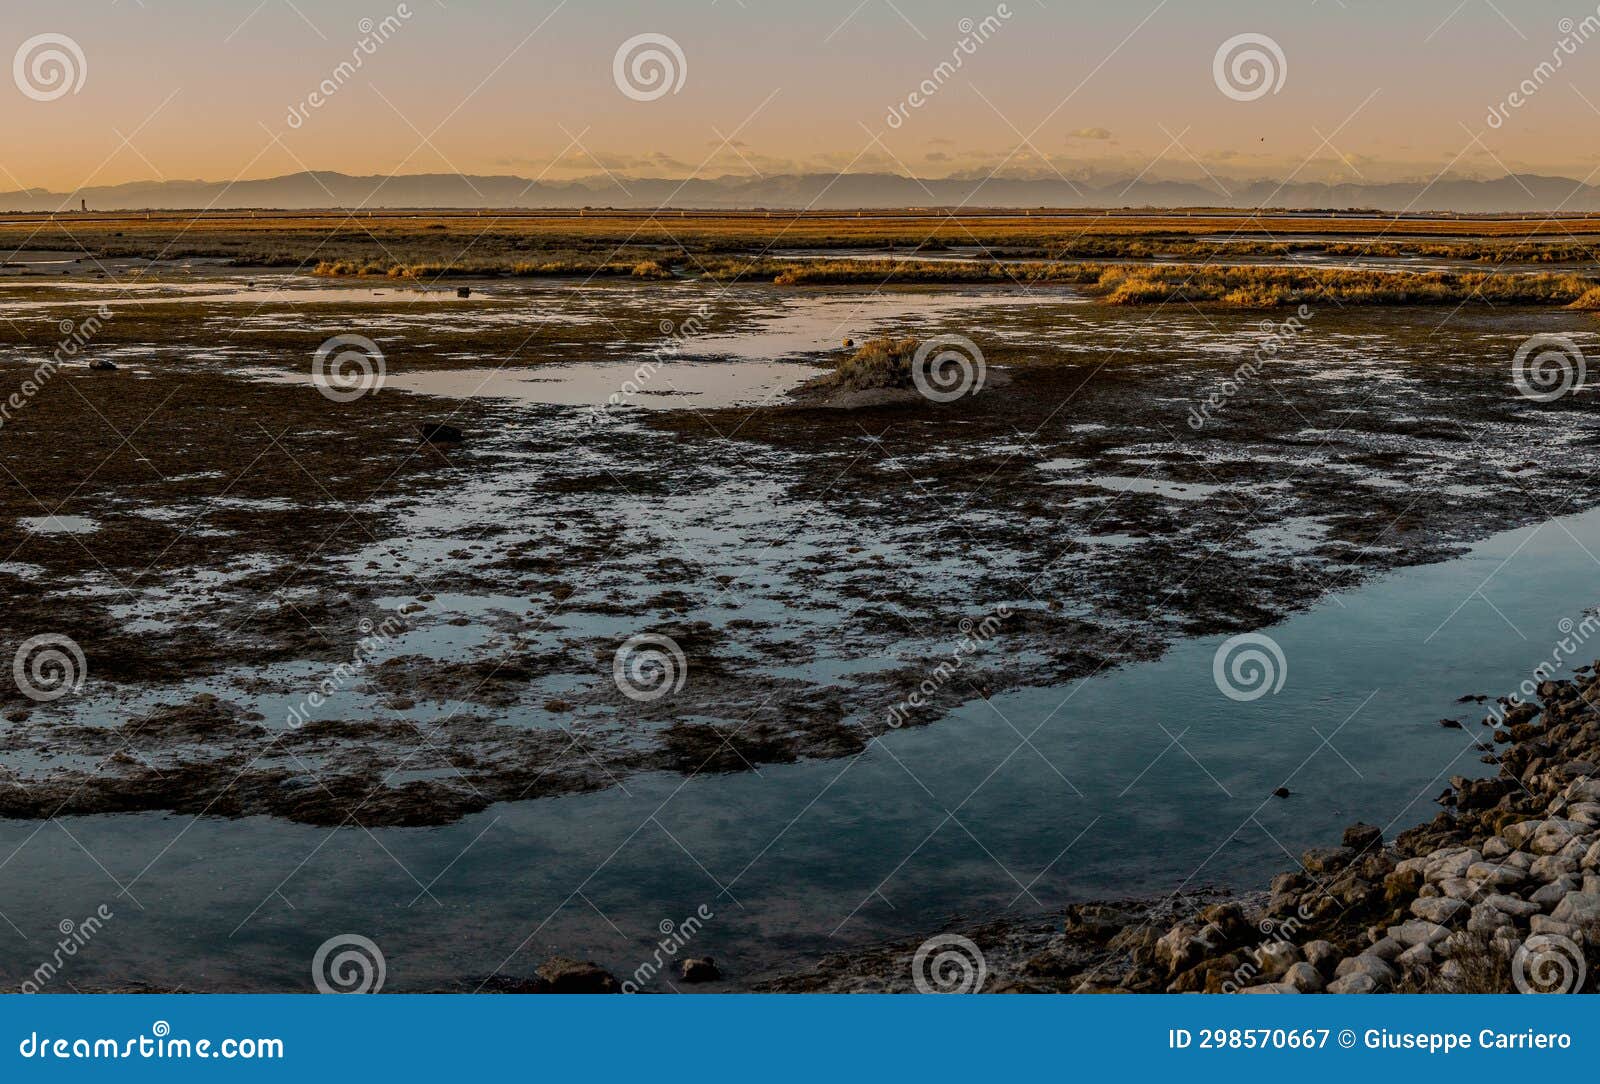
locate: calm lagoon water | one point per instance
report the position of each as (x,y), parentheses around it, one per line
(1137,781)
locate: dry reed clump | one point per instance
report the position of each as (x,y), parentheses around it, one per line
(1589,301)
(640,269)
(1235,287)
(1246,287)
(883,362)
(1267,287)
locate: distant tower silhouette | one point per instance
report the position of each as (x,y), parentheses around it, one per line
(84,205)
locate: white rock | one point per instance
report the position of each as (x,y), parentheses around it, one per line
(1414,865)
(1441,910)
(1377,970)
(1496,848)
(1177,948)
(1546,925)
(1553,835)
(1304,978)
(1321,954)
(1419,932)
(1276,957)
(1585,813)
(1511,905)
(1385,948)
(1584,790)
(1552,867)
(1580,909)
(1505,942)
(1417,958)
(1270,988)
(1518,834)
(1458,888)
(1450,862)
(1486,919)
(1552,894)
(1357,982)
(1491,873)
(1575,848)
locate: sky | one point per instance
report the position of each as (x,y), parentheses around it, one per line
(1358,90)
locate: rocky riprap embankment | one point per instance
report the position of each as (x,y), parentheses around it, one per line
(1500,891)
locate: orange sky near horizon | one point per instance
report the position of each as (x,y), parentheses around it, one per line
(188,89)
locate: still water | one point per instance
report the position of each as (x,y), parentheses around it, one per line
(1137,781)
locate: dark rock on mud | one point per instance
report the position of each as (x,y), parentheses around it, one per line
(557,975)
(441,433)
(1360,837)
(564,976)
(701,969)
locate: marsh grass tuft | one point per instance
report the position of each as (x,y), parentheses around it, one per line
(883,362)
(654,270)
(1259,287)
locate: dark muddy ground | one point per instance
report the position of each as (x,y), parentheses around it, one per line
(463,604)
